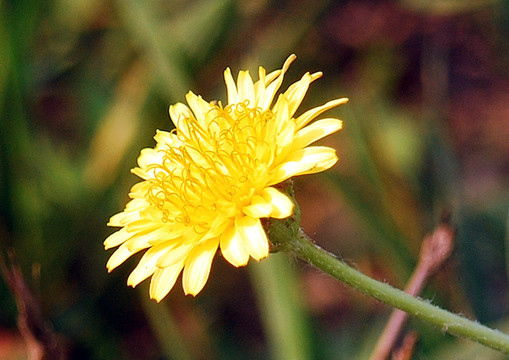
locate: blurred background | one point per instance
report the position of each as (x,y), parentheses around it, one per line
(85,84)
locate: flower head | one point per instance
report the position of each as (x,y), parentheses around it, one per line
(208,182)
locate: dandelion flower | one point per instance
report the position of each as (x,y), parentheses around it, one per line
(208,182)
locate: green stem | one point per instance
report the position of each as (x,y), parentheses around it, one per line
(284,237)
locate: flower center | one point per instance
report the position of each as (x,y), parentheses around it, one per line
(224,160)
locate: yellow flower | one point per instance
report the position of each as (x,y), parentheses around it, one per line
(207,184)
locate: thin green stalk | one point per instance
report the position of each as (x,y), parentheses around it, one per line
(165,329)
(284,236)
(284,318)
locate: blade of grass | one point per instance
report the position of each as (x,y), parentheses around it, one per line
(169,67)
(286,325)
(279,40)
(165,329)
(198,27)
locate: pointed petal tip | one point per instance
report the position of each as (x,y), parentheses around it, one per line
(191,290)
(244,263)
(157,300)
(193,294)
(288,62)
(154,296)
(132,283)
(316,75)
(291,58)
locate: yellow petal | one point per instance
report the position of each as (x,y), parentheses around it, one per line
(142,173)
(315,131)
(179,112)
(285,138)
(181,115)
(305,161)
(232,247)
(147,265)
(199,106)
(255,239)
(197,268)
(217,227)
(259,88)
(144,240)
(167,138)
(296,92)
(274,81)
(231,89)
(163,281)
(259,207)
(139,190)
(309,115)
(245,87)
(118,257)
(117,238)
(175,254)
(123,218)
(148,157)
(282,205)
(141,226)
(281,109)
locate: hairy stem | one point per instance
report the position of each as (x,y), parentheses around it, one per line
(284,237)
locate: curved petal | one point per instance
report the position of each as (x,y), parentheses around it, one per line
(259,208)
(315,131)
(141,226)
(147,265)
(119,256)
(273,82)
(144,240)
(259,87)
(149,157)
(117,238)
(175,254)
(130,214)
(296,92)
(245,87)
(253,235)
(197,268)
(163,281)
(181,115)
(281,110)
(139,190)
(282,205)
(166,138)
(305,161)
(232,247)
(179,112)
(231,89)
(199,106)
(309,115)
